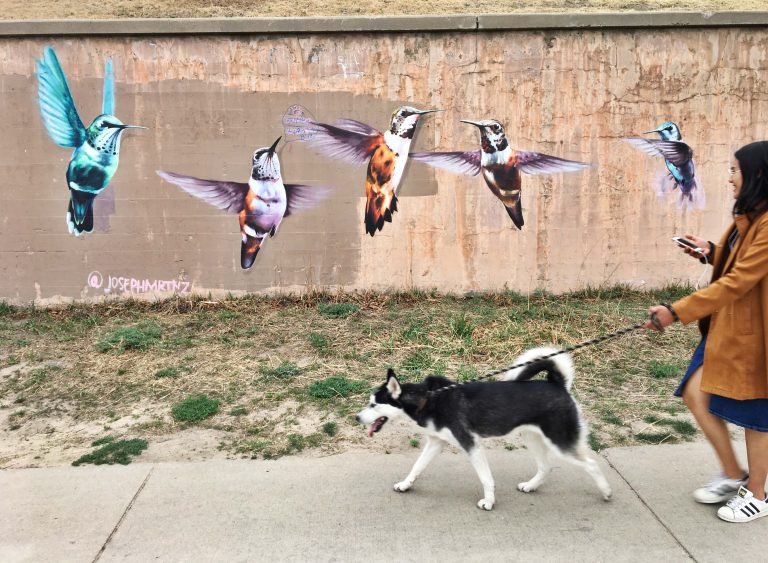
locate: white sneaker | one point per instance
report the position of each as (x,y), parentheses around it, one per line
(718,489)
(744,507)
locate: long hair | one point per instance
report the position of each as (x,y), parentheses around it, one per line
(753,162)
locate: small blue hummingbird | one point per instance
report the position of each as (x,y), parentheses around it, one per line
(97,148)
(678,157)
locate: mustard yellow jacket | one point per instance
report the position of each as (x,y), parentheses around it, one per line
(737,300)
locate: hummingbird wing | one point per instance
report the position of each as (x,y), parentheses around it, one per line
(229,196)
(108,99)
(354,145)
(457,162)
(303,197)
(56,104)
(538,163)
(676,152)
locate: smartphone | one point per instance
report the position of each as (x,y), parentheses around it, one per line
(688,243)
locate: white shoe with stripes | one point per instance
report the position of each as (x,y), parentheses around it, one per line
(744,507)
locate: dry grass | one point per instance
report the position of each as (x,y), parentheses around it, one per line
(90,9)
(259,356)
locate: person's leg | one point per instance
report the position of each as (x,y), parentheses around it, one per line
(714,427)
(757,458)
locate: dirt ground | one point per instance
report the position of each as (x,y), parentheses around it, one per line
(109,9)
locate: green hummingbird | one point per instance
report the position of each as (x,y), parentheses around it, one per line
(97,148)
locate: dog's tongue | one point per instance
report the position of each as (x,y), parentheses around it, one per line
(376,426)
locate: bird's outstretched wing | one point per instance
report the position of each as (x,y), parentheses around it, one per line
(676,152)
(538,163)
(229,196)
(348,140)
(303,197)
(108,99)
(457,162)
(56,104)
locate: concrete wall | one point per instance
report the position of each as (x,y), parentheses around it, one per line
(209,99)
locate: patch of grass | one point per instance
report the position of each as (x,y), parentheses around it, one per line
(226,315)
(113,452)
(612,418)
(655,437)
(595,443)
(195,408)
(102,441)
(330,428)
(467,373)
(419,361)
(414,442)
(285,370)
(661,370)
(296,442)
(337,310)
(319,342)
(461,327)
(682,427)
(337,386)
(238,411)
(170,371)
(139,337)
(6,309)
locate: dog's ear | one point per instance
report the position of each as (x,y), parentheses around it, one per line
(393,385)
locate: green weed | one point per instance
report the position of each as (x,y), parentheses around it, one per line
(330,428)
(461,327)
(660,370)
(337,310)
(285,370)
(138,337)
(337,386)
(194,408)
(113,452)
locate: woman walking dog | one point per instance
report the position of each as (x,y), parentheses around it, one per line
(727,379)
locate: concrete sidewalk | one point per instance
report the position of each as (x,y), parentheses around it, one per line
(343,508)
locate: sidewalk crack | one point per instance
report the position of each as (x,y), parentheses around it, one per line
(125,513)
(647,506)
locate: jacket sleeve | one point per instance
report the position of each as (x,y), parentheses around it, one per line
(710,258)
(748,269)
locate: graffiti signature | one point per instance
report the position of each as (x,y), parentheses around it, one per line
(121,284)
(296,124)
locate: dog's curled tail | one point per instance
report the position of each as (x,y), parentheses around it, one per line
(559,368)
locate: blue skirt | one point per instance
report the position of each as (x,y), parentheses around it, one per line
(752,413)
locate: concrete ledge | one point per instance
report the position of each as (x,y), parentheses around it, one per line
(380,24)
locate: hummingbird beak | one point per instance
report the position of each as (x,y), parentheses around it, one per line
(425,111)
(132,127)
(653,131)
(274,146)
(475,123)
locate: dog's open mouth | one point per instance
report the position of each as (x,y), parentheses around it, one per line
(376,426)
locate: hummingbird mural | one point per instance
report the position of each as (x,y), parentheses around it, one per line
(97,148)
(386,154)
(262,203)
(678,158)
(500,164)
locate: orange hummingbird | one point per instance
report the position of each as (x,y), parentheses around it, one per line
(386,153)
(500,164)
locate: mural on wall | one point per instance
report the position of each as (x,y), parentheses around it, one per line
(97,148)
(678,157)
(386,153)
(262,203)
(500,164)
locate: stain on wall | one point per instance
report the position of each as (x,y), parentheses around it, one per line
(210,101)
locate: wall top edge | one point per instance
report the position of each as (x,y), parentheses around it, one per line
(381,24)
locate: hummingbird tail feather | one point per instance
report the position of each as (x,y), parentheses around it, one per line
(516,214)
(80,212)
(248,251)
(379,209)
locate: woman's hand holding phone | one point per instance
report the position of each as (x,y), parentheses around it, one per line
(702,245)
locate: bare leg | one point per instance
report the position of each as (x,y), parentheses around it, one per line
(480,463)
(757,457)
(714,428)
(540,451)
(431,449)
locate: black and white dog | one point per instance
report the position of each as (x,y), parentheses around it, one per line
(543,411)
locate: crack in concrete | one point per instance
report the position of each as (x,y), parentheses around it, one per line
(122,517)
(648,507)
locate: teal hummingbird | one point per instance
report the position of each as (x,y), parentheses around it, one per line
(97,147)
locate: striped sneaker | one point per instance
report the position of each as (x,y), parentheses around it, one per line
(718,490)
(744,507)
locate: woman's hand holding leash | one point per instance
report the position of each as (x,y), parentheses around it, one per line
(661,317)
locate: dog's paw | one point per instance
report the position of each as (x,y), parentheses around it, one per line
(607,495)
(485,504)
(402,486)
(526,487)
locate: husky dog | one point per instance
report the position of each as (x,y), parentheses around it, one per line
(543,411)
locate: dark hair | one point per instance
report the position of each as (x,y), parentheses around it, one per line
(753,162)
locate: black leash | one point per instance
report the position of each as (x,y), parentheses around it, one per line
(592,342)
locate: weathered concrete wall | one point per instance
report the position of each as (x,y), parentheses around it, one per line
(210,100)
